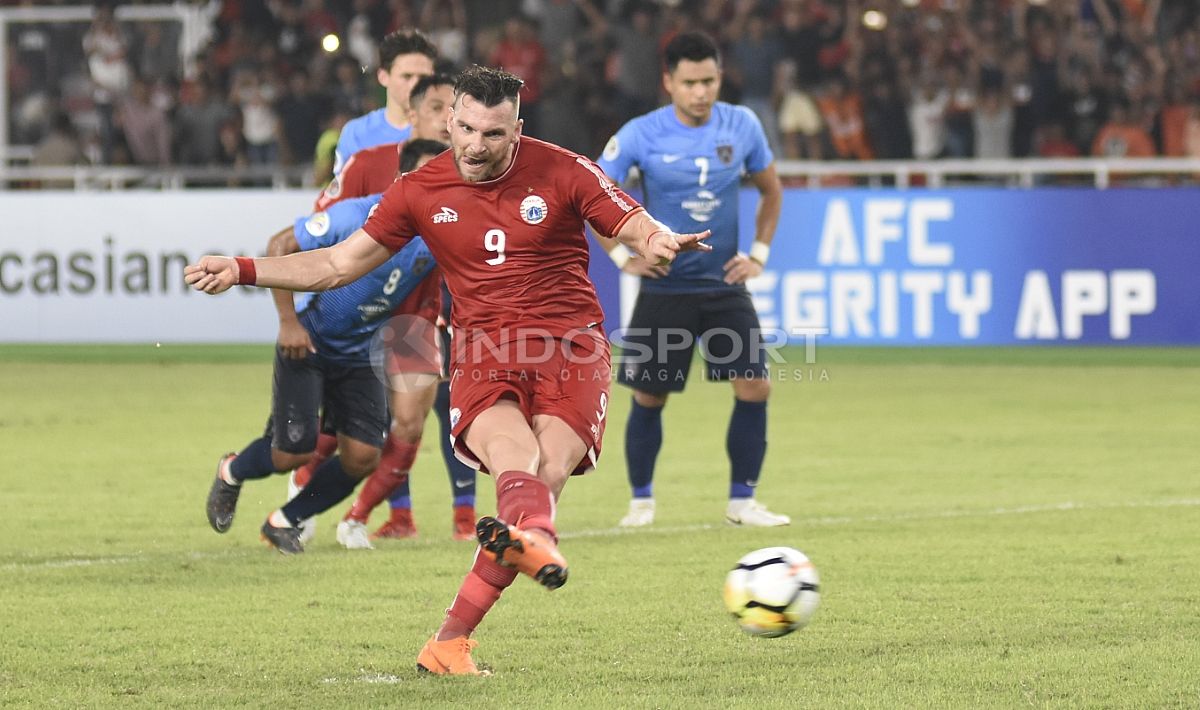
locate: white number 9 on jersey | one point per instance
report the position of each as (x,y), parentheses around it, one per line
(494,241)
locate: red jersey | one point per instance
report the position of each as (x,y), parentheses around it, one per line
(367,172)
(512,249)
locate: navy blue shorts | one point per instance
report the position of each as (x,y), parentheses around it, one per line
(665,328)
(352,396)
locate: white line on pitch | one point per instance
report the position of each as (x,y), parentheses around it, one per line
(609,532)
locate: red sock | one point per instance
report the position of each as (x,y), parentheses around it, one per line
(479,591)
(524,500)
(326,445)
(393,468)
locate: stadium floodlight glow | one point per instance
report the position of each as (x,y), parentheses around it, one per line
(910,3)
(330,43)
(874,20)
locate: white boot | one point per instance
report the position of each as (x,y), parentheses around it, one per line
(751,513)
(641,513)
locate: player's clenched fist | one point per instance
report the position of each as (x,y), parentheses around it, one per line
(663,245)
(212,274)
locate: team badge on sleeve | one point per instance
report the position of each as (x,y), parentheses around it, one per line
(318,224)
(334,189)
(533,209)
(612,149)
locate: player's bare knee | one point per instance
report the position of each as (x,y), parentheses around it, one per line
(407,428)
(755,389)
(359,461)
(555,474)
(507,453)
(649,400)
(285,461)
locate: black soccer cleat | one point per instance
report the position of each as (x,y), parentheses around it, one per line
(222,499)
(530,551)
(286,540)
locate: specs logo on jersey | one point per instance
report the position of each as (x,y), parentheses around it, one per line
(534,209)
(318,224)
(725,154)
(446,215)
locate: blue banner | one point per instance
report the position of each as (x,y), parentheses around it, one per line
(983,266)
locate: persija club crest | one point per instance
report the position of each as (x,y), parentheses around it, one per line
(533,209)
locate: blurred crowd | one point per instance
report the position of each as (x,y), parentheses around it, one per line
(268,82)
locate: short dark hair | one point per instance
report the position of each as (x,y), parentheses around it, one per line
(407,40)
(488,86)
(692,46)
(426,83)
(417,148)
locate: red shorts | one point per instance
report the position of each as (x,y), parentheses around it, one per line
(411,338)
(567,378)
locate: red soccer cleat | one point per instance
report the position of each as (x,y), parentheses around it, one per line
(399,526)
(464,522)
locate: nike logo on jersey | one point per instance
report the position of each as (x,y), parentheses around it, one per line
(446,215)
(671,157)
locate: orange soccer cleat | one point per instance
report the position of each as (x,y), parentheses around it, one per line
(530,551)
(449,657)
(400,525)
(464,522)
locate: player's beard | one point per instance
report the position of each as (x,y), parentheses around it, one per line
(479,172)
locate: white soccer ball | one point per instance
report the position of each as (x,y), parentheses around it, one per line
(773,591)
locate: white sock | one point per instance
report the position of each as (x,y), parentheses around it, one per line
(226,475)
(278,520)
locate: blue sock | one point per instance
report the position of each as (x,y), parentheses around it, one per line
(643,439)
(400,498)
(462,476)
(329,486)
(746,443)
(254,462)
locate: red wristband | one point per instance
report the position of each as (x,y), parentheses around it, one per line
(247,275)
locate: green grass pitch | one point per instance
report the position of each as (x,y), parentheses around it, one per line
(993,528)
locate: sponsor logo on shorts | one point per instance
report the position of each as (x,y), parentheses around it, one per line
(534,209)
(446,215)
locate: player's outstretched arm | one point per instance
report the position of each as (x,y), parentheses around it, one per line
(655,242)
(630,263)
(315,270)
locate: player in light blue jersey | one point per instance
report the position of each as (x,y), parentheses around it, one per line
(328,368)
(692,155)
(405,56)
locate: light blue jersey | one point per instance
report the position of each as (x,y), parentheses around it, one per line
(343,321)
(690,182)
(366,131)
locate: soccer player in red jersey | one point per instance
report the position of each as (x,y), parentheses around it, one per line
(369,172)
(504,217)
(373,170)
